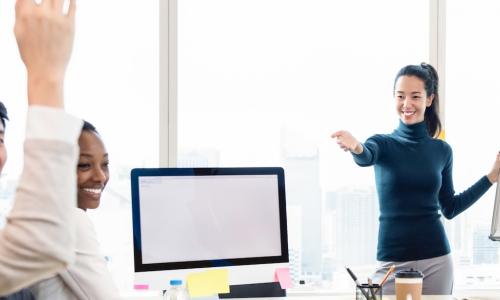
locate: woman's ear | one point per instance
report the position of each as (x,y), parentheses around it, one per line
(428,101)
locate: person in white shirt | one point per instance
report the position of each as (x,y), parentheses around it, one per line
(38,239)
(88,277)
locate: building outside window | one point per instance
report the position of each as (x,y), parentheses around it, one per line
(254,91)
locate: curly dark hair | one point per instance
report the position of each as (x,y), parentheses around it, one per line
(87,126)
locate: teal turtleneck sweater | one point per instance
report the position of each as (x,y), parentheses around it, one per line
(413,175)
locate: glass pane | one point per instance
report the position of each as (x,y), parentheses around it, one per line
(472,130)
(112,82)
(265,83)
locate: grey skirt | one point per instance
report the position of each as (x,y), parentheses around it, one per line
(438,274)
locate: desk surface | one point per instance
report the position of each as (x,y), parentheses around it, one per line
(347,297)
(460,295)
(350,297)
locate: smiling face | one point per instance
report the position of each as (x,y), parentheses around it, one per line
(92,171)
(411,99)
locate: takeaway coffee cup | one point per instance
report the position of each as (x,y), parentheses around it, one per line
(409,284)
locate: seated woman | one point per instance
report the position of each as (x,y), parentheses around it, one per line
(88,277)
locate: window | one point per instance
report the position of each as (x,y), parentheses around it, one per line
(472,130)
(265,83)
(113,82)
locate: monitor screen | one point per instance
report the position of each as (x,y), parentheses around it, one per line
(186,219)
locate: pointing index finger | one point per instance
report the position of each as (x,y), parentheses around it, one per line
(336,134)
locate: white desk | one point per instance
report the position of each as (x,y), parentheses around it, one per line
(346,297)
(351,297)
(459,295)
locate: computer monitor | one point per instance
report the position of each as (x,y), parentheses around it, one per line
(188,220)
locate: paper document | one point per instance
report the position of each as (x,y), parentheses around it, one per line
(495,222)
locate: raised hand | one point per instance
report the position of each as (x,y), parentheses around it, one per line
(44,34)
(495,170)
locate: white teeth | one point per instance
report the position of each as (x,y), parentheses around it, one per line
(408,113)
(93,191)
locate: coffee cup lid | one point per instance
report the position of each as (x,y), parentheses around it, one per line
(411,273)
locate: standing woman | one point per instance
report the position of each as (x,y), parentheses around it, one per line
(88,277)
(413,176)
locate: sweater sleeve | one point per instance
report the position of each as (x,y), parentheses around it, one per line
(452,205)
(38,239)
(370,154)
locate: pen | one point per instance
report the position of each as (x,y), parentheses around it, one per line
(370,287)
(357,283)
(391,269)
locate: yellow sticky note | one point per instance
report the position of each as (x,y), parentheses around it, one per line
(208,283)
(198,286)
(220,280)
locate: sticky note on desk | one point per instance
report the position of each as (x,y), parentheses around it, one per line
(141,287)
(208,283)
(282,275)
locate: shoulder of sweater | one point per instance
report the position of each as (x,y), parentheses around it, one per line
(442,147)
(443,144)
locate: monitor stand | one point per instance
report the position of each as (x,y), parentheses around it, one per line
(255,290)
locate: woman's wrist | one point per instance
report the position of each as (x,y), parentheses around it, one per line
(492,178)
(358,149)
(45,91)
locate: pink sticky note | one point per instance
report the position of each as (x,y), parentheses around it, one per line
(141,287)
(283,276)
